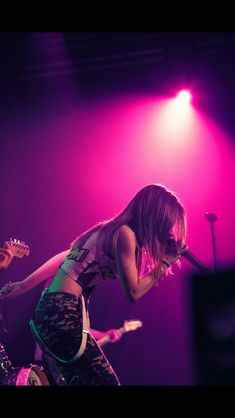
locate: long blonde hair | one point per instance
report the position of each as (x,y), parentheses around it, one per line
(151,214)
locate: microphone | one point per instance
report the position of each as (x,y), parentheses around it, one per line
(211,217)
(195,261)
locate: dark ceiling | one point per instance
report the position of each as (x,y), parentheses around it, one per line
(96,51)
(110,62)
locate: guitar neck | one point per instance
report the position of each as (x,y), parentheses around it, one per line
(104,340)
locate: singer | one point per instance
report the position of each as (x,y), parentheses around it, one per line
(138,246)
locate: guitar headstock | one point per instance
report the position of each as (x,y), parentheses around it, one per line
(132,325)
(18,248)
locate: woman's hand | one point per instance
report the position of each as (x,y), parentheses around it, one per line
(11,290)
(173,251)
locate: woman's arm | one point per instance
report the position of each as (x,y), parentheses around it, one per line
(47,270)
(133,286)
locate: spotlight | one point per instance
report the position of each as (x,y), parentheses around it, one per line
(184,97)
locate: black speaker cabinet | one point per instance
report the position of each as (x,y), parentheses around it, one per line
(213,313)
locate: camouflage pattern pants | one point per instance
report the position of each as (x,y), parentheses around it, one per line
(58,321)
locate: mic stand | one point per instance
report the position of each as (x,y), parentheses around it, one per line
(212,218)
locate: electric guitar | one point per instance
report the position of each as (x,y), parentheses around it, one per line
(127,326)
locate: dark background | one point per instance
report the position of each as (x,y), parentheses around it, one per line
(45,74)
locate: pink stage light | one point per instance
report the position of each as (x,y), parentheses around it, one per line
(184,97)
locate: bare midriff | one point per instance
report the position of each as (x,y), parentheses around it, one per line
(64,283)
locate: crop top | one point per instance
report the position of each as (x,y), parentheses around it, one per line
(81,264)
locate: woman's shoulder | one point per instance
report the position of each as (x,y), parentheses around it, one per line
(125,232)
(125,241)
